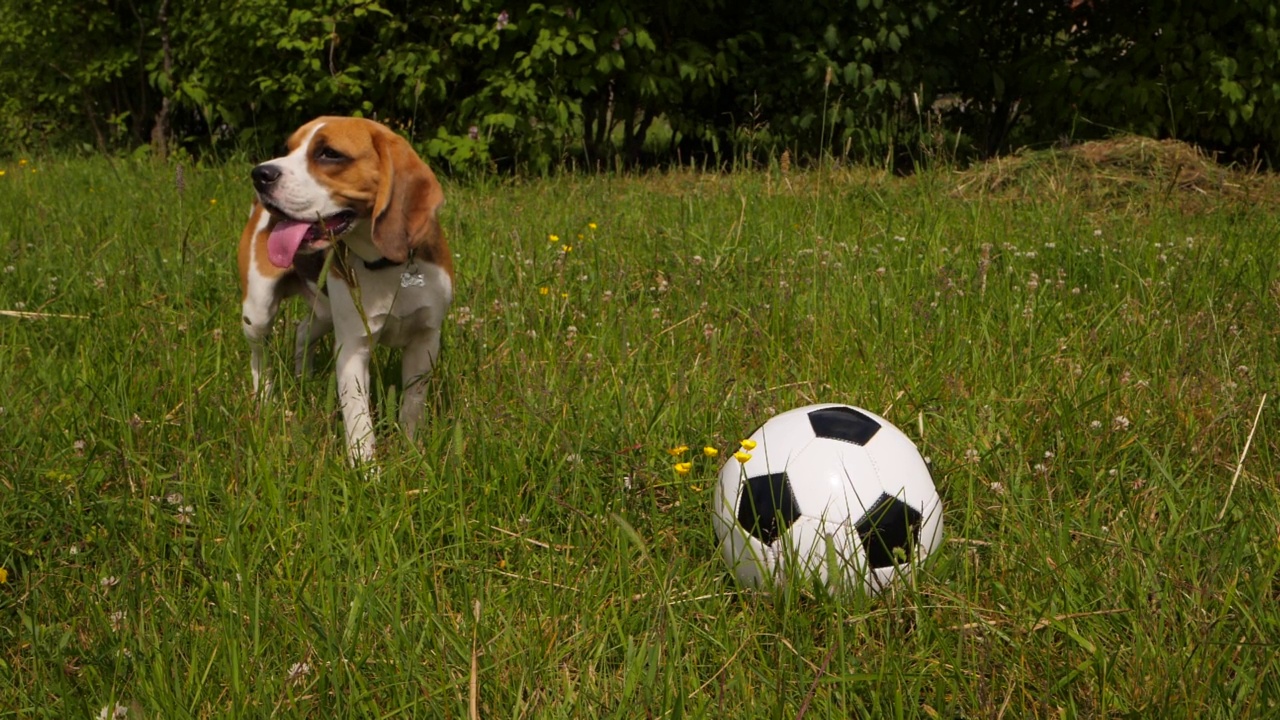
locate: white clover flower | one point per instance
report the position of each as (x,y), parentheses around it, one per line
(113,712)
(298,672)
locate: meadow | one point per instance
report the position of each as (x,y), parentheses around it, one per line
(1085,357)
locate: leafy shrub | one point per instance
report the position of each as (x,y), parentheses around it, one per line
(486,84)
(1197,70)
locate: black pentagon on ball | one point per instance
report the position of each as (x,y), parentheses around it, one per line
(843,423)
(767,506)
(890,527)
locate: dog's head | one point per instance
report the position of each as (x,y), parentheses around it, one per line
(338,173)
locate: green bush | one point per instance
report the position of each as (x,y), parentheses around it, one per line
(71,71)
(1198,70)
(483,84)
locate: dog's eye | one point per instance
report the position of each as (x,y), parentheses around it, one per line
(328,154)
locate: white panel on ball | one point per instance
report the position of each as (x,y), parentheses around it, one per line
(825,549)
(830,469)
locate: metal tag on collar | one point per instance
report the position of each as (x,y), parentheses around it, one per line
(411,277)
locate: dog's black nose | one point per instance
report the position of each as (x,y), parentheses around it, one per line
(264,176)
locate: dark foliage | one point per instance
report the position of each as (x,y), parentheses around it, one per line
(482,84)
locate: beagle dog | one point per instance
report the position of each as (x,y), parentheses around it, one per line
(352,200)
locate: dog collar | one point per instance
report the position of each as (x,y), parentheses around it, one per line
(383,263)
(380,264)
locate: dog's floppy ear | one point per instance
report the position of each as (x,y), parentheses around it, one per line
(404,210)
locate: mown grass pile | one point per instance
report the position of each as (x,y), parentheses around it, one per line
(1084,375)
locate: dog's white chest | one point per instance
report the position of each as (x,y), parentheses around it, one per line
(394,304)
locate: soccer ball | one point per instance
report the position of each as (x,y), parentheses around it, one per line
(829,492)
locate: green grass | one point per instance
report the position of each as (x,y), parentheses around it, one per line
(1083,375)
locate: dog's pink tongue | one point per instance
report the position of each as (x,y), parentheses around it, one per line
(284,241)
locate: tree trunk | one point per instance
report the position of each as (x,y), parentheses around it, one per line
(641,132)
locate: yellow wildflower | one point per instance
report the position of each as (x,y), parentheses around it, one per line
(553,238)
(742,456)
(213,201)
(4,576)
(678,450)
(1,173)
(683,468)
(544,290)
(564,295)
(710,451)
(591,225)
(566,248)
(22,161)
(748,444)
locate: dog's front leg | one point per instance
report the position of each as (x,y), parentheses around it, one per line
(353,395)
(419,358)
(354,339)
(258,313)
(317,324)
